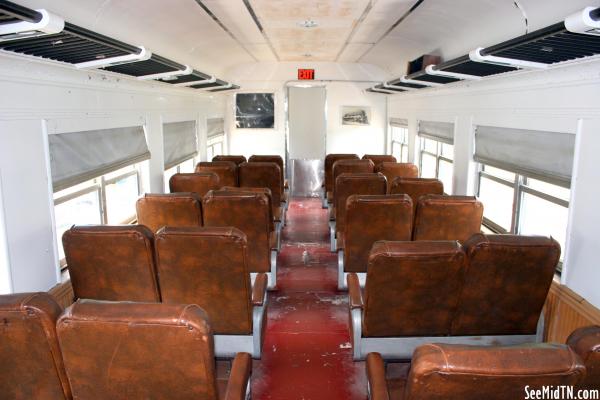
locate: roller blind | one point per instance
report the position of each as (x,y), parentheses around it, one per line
(215,127)
(180,143)
(537,154)
(76,157)
(439,131)
(399,122)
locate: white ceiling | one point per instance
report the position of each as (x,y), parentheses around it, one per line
(347,31)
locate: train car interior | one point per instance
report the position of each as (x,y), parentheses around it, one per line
(299,199)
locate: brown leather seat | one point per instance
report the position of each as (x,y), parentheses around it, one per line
(446,371)
(506,284)
(379,158)
(263,175)
(349,166)
(356,183)
(373,218)
(236,159)
(199,183)
(124,350)
(173,209)
(225,170)
(415,187)
(209,267)
(330,159)
(265,191)
(270,158)
(31,365)
(111,262)
(585,341)
(393,170)
(440,217)
(412,288)
(248,212)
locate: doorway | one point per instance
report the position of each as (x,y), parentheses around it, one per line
(307,127)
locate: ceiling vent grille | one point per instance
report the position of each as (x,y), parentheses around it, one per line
(578,36)
(61,41)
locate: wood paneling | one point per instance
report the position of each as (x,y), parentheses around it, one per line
(566,311)
(63,294)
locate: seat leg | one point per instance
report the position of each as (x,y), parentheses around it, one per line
(273,274)
(332,236)
(278,235)
(356,316)
(342,285)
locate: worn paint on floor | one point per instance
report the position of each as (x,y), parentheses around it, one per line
(307,353)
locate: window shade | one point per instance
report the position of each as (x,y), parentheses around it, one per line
(439,131)
(80,156)
(179,140)
(537,154)
(215,127)
(399,122)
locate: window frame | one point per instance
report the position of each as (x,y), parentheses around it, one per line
(403,142)
(212,142)
(438,155)
(99,185)
(520,188)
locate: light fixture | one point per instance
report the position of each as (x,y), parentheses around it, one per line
(308,23)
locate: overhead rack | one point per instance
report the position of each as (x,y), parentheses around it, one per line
(41,34)
(576,37)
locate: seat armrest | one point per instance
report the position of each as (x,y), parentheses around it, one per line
(259,290)
(241,369)
(354,291)
(376,377)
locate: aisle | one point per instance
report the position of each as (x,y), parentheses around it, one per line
(307,354)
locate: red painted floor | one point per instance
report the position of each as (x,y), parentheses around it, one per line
(306,353)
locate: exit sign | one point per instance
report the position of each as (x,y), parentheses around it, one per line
(306,74)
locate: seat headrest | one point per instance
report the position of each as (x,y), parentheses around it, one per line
(234,158)
(585,342)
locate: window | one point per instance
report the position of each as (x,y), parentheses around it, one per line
(215,131)
(400,143)
(436,161)
(515,203)
(107,199)
(187,166)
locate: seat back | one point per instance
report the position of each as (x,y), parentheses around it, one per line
(262,175)
(111,262)
(412,288)
(265,191)
(270,158)
(199,183)
(440,217)
(208,267)
(373,218)
(416,187)
(124,350)
(506,284)
(349,184)
(350,167)
(585,342)
(173,209)
(392,170)
(236,159)
(32,365)
(445,371)
(225,170)
(379,158)
(248,212)
(330,159)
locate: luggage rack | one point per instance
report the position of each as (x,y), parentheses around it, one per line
(42,34)
(576,37)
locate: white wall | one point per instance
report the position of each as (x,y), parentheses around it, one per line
(40,98)
(553,100)
(272,77)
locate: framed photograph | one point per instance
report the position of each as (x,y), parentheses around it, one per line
(356,115)
(255,110)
